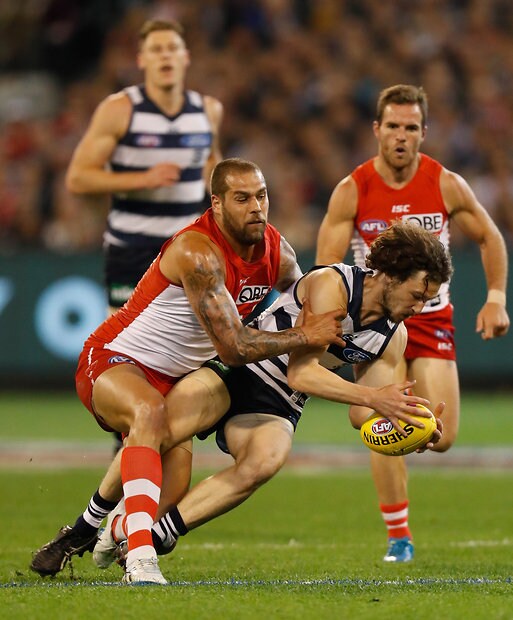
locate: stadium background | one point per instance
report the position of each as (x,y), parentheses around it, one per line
(298,79)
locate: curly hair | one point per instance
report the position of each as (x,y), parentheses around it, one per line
(405,248)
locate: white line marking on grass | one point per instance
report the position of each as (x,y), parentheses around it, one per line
(241,583)
(505,542)
(292,543)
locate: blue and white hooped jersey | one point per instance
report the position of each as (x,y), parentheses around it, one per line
(150,216)
(363,343)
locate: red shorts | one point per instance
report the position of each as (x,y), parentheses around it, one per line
(93,361)
(431,334)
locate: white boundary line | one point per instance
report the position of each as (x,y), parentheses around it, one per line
(241,583)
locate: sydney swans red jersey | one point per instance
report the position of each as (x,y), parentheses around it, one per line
(157,325)
(419,201)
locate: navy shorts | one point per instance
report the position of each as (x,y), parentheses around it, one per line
(124,267)
(248,394)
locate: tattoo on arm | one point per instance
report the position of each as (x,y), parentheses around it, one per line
(217,312)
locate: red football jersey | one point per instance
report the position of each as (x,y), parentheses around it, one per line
(419,201)
(157,326)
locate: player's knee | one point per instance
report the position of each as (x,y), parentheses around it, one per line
(150,420)
(357,416)
(446,442)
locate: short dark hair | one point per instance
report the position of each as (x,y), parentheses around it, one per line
(155,25)
(405,248)
(402,94)
(218,184)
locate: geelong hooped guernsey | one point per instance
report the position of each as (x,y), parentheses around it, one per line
(158,327)
(153,215)
(419,201)
(364,343)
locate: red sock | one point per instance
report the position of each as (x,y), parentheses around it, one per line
(395,517)
(141,473)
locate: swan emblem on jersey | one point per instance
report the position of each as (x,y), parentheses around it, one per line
(120,359)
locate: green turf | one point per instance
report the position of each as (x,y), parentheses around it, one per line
(302,547)
(486,419)
(307,545)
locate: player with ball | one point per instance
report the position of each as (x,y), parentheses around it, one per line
(262,402)
(254,409)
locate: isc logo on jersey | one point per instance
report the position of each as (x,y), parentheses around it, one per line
(430,221)
(252,293)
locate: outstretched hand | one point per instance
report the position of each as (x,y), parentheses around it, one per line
(321,329)
(396,403)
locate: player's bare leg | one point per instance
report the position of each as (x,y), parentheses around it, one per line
(176,476)
(260,444)
(390,477)
(437,380)
(195,403)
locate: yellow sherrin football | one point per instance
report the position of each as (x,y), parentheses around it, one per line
(378,434)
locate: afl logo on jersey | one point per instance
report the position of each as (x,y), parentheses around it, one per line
(430,221)
(252,293)
(373,227)
(147,141)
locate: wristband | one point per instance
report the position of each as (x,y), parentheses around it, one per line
(496,297)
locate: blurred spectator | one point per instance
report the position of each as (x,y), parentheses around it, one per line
(298,79)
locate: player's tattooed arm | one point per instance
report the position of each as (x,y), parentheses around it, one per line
(217,312)
(204,285)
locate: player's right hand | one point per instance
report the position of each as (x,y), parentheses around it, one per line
(162,175)
(321,329)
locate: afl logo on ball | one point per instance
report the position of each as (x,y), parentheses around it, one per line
(382,426)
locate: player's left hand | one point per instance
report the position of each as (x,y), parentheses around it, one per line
(492,321)
(437,434)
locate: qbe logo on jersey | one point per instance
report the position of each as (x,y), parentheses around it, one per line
(252,293)
(433,222)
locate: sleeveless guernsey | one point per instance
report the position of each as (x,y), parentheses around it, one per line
(157,326)
(379,205)
(150,216)
(364,343)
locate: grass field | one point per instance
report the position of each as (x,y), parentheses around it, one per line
(307,545)
(487,419)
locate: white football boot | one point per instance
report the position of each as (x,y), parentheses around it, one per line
(105,550)
(144,571)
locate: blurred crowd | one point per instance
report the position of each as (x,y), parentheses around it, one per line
(298,79)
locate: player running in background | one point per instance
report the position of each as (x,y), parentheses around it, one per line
(186,308)
(401,183)
(406,266)
(151,146)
